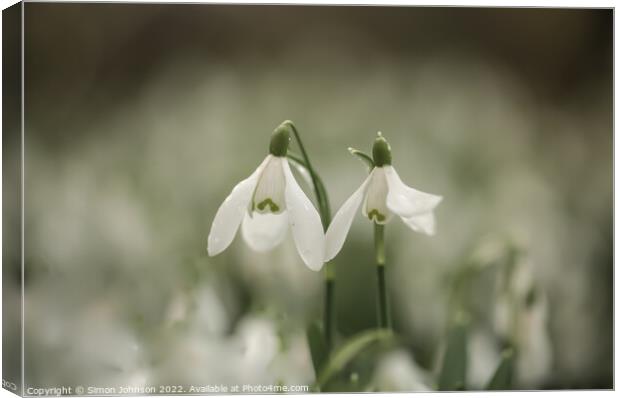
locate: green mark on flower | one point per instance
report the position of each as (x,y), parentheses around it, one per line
(374,214)
(381,151)
(268,202)
(280,139)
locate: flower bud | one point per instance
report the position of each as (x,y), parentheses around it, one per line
(280,139)
(381,151)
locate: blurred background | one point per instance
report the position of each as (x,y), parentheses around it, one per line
(141,118)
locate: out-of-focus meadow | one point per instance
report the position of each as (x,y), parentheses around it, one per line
(141,118)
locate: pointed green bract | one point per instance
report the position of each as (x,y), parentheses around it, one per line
(363,157)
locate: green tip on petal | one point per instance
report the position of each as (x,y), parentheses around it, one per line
(280,139)
(381,151)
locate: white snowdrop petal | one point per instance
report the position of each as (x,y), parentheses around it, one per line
(424,223)
(269,194)
(375,207)
(341,223)
(229,215)
(303,172)
(406,201)
(263,232)
(305,222)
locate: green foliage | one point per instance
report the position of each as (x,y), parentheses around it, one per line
(350,350)
(454,367)
(502,379)
(318,346)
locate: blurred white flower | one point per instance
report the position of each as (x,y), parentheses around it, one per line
(384,194)
(535,358)
(293,364)
(521,315)
(258,342)
(204,306)
(483,357)
(117,355)
(266,203)
(397,371)
(178,308)
(248,356)
(260,357)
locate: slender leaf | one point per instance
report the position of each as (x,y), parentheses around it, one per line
(454,367)
(297,159)
(502,379)
(347,352)
(318,346)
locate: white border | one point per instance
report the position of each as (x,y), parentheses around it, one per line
(481,3)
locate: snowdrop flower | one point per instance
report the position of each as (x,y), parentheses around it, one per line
(383,194)
(521,316)
(265,204)
(397,371)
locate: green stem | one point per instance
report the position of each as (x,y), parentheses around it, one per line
(384,318)
(325,213)
(322,201)
(329,305)
(319,188)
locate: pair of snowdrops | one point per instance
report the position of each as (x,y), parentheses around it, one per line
(270,201)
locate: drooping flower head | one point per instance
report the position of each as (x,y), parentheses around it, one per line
(383,195)
(266,204)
